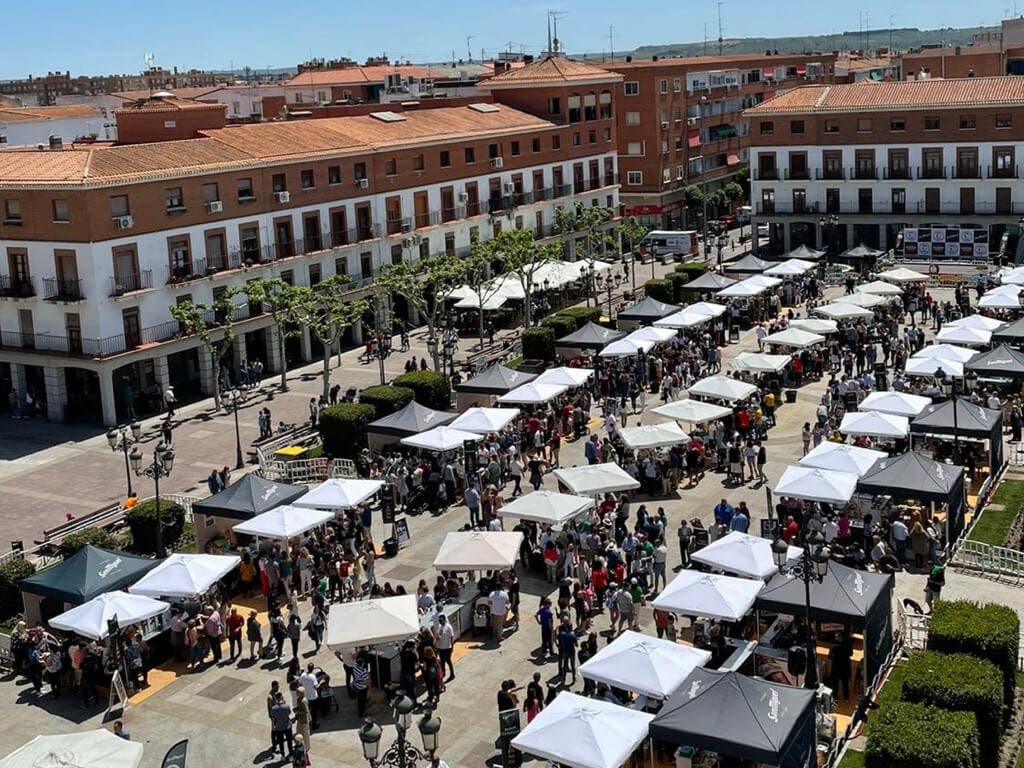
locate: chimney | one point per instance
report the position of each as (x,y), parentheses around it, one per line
(654,58)
(970,73)
(629,59)
(56,142)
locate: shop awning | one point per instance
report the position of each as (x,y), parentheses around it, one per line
(732,159)
(801,70)
(693,137)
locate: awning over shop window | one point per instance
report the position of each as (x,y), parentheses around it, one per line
(768,73)
(801,69)
(693,137)
(733,159)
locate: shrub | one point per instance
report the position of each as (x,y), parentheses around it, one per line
(582,315)
(386,400)
(559,324)
(98,537)
(660,290)
(905,735)
(142,521)
(430,388)
(539,344)
(11,574)
(343,429)
(962,683)
(678,280)
(988,631)
(693,269)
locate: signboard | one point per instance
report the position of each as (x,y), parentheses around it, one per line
(388,513)
(946,242)
(175,757)
(509,726)
(118,698)
(401,531)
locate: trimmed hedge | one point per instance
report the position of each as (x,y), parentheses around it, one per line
(386,399)
(582,315)
(559,324)
(987,631)
(660,290)
(430,388)
(962,683)
(11,574)
(343,429)
(905,735)
(539,344)
(678,280)
(692,268)
(142,521)
(98,537)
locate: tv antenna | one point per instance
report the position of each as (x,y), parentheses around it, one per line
(720,4)
(553,44)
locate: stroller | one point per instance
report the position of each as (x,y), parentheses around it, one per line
(416,503)
(482,615)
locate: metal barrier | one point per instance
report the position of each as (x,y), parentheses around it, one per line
(297,470)
(913,628)
(265,452)
(998,561)
(344,468)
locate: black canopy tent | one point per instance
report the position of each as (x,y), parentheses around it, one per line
(412,419)
(860,252)
(496,380)
(709,281)
(1010,334)
(805,253)
(915,476)
(972,421)
(250,496)
(89,572)
(1003,362)
(860,599)
(739,716)
(647,311)
(590,336)
(750,264)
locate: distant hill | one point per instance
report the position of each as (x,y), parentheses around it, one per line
(902,39)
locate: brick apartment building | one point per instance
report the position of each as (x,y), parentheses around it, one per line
(45,90)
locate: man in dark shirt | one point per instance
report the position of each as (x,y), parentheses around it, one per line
(566,650)
(281,725)
(408,660)
(546,619)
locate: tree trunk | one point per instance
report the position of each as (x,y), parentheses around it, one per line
(284,358)
(481,324)
(327,370)
(435,357)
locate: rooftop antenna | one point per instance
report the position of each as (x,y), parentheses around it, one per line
(705,38)
(554,46)
(469,51)
(149,59)
(720,4)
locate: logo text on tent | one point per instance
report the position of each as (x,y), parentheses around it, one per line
(774,705)
(271,491)
(108,568)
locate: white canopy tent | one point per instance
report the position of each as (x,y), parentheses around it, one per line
(759,362)
(533,393)
(1000,300)
(744,289)
(764,281)
(926,366)
(565,376)
(485,420)
(339,493)
(815,325)
(184,575)
(947,352)
(840,311)
(976,322)
(962,334)
(723,388)
(692,411)
(866,300)
(742,554)
(841,457)
(653,436)
(684,318)
(284,522)
(652,333)
(595,479)
(547,507)
(441,439)
(795,338)
(709,308)
(579,732)
(709,595)
(874,424)
(790,268)
(626,348)
(478,550)
(1013,276)
(90,619)
(97,748)
(813,484)
(492,300)
(902,275)
(643,664)
(372,622)
(879,288)
(895,403)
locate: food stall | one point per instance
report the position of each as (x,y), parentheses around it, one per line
(743,555)
(181,575)
(247,497)
(484,388)
(410,420)
(971,424)
(648,666)
(91,619)
(97,748)
(644,312)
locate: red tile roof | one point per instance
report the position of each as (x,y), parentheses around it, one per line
(36,114)
(552,70)
(166,104)
(908,94)
(181,93)
(356,75)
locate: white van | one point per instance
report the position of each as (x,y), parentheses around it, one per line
(665,242)
(743,214)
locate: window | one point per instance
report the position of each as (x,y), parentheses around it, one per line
(592,137)
(635,148)
(680,173)
(244,189)
(666,175)
(556,141)
(279,183)
(605,102)
(515,149)
(632,88)
(796,126)
(831,126)
(677,86)
(1004,121)
(211,193)
(607,134)
(307,179)
(334,174)
(535,145)
(1003,162)
(897,124)
(590,107)
(12,211)
(632,119)
(832,200)
(391,167)
(767,127)
(932,123)
(470,155)
(576,139)
(446,158)
(173,199)
(418,163)
(768,201)
(493,151)
(863,124)
(60,211)
(799,200)
(966,122)
(663,86)
(554,106)
(634,178)
(359,171)
(118,206)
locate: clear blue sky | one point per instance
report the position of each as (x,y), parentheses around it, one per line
(112,36)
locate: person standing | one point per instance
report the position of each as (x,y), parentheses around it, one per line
(281,725)
(566,650)
(307,685)
(659,561)
(545,618)
(303,715)
(361,685)
(685,533)
(170,401)
(499,609)
(213,626)
(444,639)
(254,634)
(234,623)
(294,632)
(840,656)
(900,534)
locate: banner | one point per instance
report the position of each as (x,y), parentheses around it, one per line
(946,242)
(175,757)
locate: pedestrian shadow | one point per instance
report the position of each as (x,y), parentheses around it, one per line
(69,706)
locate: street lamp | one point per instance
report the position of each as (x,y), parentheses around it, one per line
(163,463)
(812,566)
(122,439)
(587,276)
(237,397)
(721,243)
(401,754)
(828,224)
(948,385)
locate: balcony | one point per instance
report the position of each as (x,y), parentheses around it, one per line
(931,172)
(1008,172)
(966,172)
(16,287)
(766,174)
(797,174)
(563,190)
(522,198)
(397,225)
(864,173)
(498,203)
(428,219)
(55,289)
(896,174)
(131,282)
(829,174)
(880,208)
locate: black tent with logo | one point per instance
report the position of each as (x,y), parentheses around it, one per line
(709,281)
(411,420)
(647,311)
(969,421)
(89,572)
(496,380)
(250,496)
(1010,334)
(590,336)
(750,264)
(739,716)
(1003,362)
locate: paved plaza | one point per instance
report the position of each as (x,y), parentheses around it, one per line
(221,709)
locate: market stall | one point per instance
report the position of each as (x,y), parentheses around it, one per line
(478,551)
(645,312)
(547,507)
(722,388)
(815,325)
(595,479)
(759,362)
(182,575)
(653,333)
(895,403)
(925,367)
(742,554)
(794,338)
(533,393)
(441,439)
(91,619)
(645,665)
(338,493)
(410,420)
(864,300)
(485,420)
(805,253)
(626,347)
(860,253)
(791,268)
(842,457)
(977,322)
(965,335)
(653,436)
(708,595)
(882,426)
(566,376)
(709,282)
(97,748)
(946,352)
(879,288)
(1004,297)
(1003,362)
(1013,333)
(692,411)
(483,388)
(744,289)
(590,337)
(843,311)
(749,264)
(372,622)
(814,484)
(902,275)
(247,497)
(971,423)
(693,314)
(284,522)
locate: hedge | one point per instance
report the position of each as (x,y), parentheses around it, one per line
(905,735)
(962,683)
(142,521)
(343,429)
(582,315)
(678,280)
(987,631)
(693,269)
(430,388)
(539,344)
(11,574)
(386,399)
(559,324)
(97,537)
(660,290)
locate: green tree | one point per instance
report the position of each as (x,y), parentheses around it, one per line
(734,193)
(212,323)
(279,299)
(693,198)
(327,311)
(478,277)
(716,200)
(631,230)
(521,258)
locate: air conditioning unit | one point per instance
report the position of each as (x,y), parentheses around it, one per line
(407,242)
(664,123)
(124,222)
(406,227)
(497,162)
(508,188)
(282,197)
(363,183)
(691,121)
(215,206)
(463,197)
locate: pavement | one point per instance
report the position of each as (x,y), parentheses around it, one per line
(221,709)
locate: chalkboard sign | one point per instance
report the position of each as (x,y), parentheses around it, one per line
(401,531)
(118,698)
(700,537)
(509,726)
(388,514)
(769,528)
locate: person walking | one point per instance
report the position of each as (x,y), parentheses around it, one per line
(254,634)
(762,459)
(545,618)
(294,632)
(685,533)
(170,401)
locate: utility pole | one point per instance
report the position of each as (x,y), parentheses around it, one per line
(469,51)
(890,34)
(611,42)
(867,32)
(705,38)
(720,3)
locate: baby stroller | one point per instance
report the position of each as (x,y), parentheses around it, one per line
(416,503)
(482,615)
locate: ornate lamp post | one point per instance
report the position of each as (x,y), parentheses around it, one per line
(163,463)
(954,392)
(812,566)
(828,224)
(401,754)
(236,397)
(122,439)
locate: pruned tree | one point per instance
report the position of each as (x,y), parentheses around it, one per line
(278,298)
(213,324)
(327,311)
(734,193)
(632,231)
(478,277)
(521,258)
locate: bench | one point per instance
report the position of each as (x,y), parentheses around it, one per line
(100,516)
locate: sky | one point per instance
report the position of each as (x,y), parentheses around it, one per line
(113,36)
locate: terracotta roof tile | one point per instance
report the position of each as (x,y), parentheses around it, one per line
(36,114)
(908,94)
(34,166)
(181,93)
(356,75)
(166,104)
(552,69)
